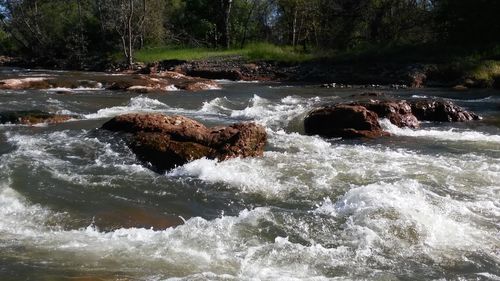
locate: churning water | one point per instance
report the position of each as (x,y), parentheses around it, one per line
(421,205)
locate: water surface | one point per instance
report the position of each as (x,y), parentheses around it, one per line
(421,205)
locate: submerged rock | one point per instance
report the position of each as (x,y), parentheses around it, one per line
(348,121)
(441,111)
(169,141)
(134,217)
(32,117)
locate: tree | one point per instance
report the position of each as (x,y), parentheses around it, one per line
(467,22)
(129,19)
(225,28)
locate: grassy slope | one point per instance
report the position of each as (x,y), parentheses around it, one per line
(259,51)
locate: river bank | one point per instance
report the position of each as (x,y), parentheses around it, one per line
(327,72)
(332,73)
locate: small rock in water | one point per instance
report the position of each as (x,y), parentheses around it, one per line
(330,85)
(441,111)
(169,141)
(32,117)
(347,121)
(460,88)
(25,83)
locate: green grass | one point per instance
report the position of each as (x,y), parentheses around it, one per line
(486,70)
(261,51)
(170,53)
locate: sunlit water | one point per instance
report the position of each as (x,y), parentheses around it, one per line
(421,205)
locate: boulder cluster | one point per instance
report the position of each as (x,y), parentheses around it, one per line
(158,82)
(169,141)
(32,117)
(361,119)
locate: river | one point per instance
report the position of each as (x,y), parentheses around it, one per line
(75,204)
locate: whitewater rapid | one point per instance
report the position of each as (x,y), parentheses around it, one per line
(310,209)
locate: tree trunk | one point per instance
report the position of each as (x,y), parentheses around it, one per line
(226,9)
(247,21)
(101,20)
(294,28)
(143,25)
(81,37)
(130,58)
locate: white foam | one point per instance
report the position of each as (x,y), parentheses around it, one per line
(297,165)
(38,152)
(77,89)
(440,134)
(17,216)
(272,114)
(171,88)
(216,106)
(408,219)
(383,207)
(229,247)
(136,105)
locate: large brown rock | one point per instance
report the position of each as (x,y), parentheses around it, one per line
(164,153)
(347,121)
(177,127)
(398,112)
(441,111)
(169,141)
(238,140)
(32,117)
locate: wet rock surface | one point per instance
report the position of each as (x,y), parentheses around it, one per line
(119,82)
(361,119)
(169,141)
(32,117)
(441,111)
(398,112)
(347,121)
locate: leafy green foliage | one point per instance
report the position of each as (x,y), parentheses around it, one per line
(82,31)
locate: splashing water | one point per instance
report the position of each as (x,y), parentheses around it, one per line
(404,207)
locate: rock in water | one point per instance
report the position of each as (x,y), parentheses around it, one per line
(360,119)
(24,83)
(441,111)
(164,153)
(398,112)
(169,141)
(347,121)
(32,117)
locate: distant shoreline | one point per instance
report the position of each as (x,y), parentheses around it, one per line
(328,73)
